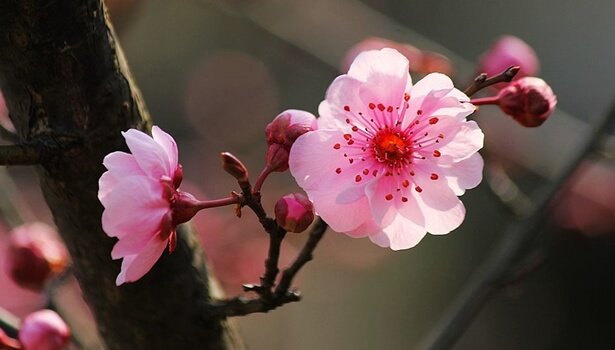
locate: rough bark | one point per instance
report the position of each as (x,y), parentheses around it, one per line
(70,94)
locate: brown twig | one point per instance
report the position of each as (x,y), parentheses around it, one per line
(482,81)
(306,255)
(276,235)
(240,306)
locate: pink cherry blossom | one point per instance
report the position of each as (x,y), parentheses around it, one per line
(389,159)
(142,202)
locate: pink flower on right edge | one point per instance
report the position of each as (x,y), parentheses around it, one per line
(389,159)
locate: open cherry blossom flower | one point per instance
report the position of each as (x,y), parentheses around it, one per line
(142,202)
(389,159)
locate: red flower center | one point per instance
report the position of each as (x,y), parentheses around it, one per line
(391,147)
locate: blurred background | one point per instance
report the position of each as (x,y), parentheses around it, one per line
(215,72)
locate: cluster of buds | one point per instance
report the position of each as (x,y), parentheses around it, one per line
(527,99)
(35,255)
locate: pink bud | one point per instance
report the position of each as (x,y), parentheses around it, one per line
(509,51)
(294,212)
(34,255)
(282,132)
(530,101)
(43,330)
(277,157)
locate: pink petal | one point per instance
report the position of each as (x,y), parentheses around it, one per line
(442,210)
(120,165)
(131,244)
(367,228)
(431,82)
(134,206)
(168,145)
(467,141)
(344,91)
(136,266)
(383,210)
(340,217)
(400,234)
(465,174)
(385,73)
(313,162)
(435,95)
(106,183)
(150,156)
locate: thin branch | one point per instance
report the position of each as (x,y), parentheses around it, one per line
(240,306)
(482,81)
(19,155)
(488,277)
(276,234)
(306,255)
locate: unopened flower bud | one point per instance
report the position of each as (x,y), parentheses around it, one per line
(34,255)
(530,101)
(277,157)
(282,132)
(294,212)
(43,330)
(509,51)
(234,166)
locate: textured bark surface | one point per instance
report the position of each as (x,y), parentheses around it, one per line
(70,94)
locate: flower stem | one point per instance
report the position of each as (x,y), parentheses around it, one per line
(220,202)
(491,100)
(497,266)
(261,179)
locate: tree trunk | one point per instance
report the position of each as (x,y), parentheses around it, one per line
(70,94)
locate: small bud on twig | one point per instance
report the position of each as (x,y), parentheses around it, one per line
(234,166)
(530,101)
(44,330)
(294,212)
